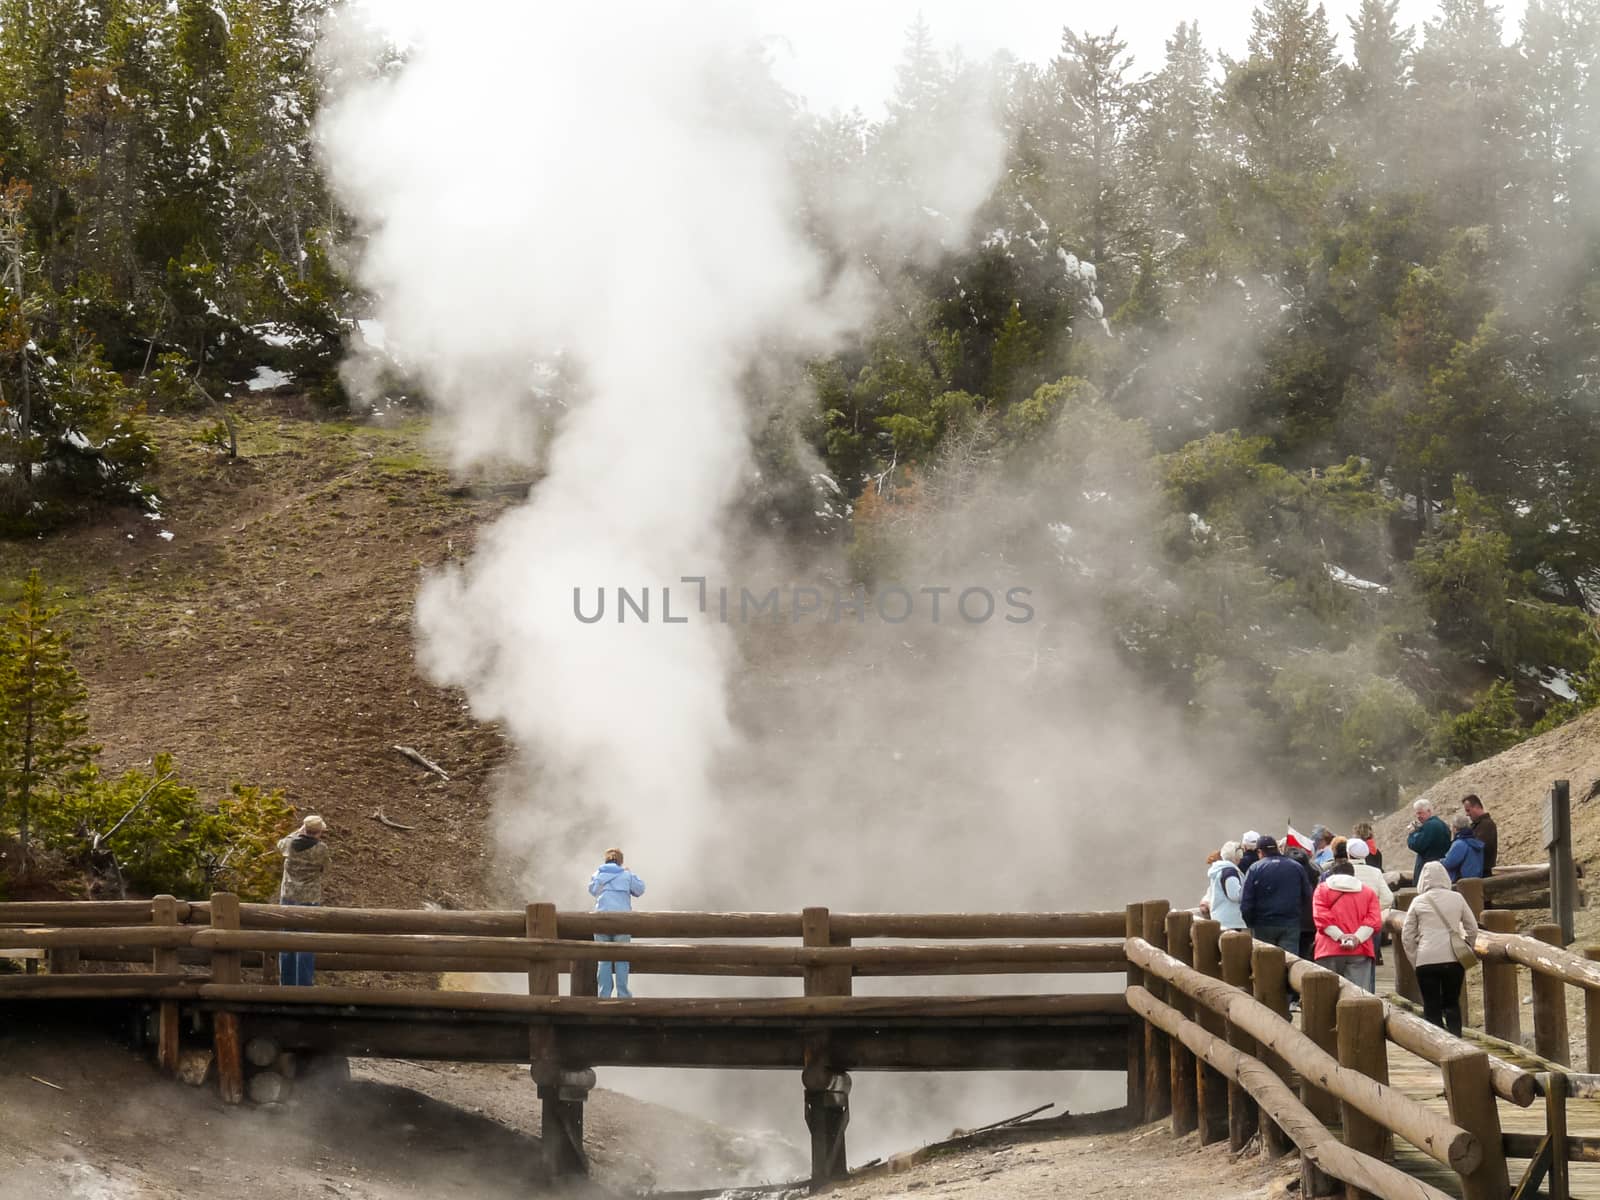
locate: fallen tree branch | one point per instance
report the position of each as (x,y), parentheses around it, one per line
(378,816)
(425,763)
(1032,1112)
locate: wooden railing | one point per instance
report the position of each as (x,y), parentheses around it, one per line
(1213,1047)
(1221,1056)
(542,939)
(1552,969)
(199,952)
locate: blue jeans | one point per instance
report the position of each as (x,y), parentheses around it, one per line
(620,970)
(1286,937)
(295,967)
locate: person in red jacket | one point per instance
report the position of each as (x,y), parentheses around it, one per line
(1348,918)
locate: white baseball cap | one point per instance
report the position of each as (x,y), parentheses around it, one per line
(1250,840)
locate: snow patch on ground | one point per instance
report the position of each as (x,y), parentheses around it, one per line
(1345,579)
(1559,682)
(275,333)
(266,378)
(373,332)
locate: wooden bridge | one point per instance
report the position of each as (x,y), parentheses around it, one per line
(1374,1100)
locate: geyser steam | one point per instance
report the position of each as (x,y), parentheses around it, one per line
(615,189)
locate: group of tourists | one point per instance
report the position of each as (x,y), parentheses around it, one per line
(1325,897)
(1322,897)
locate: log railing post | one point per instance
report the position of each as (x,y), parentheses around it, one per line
(1157,1054)
(1319,1021)
(1470,890)
(1555,1110)
(1550,1006)
(1591,1019)
(1563,863)
(1363,1047)
(164,961)
(827,1091)
(1319,1014)
(1185,1095)
(1319,1017)
(63,960)
(1243,1118)
(1267,977)
(544,975)
(1211,1086)
(544,979)
(1470,1096)
(562,1089)
(1502,1006)
(226,969)
(1405,971)
(1134,928)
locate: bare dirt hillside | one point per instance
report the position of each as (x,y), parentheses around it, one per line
(268,638)
(1513,786)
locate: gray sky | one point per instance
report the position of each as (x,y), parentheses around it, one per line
(842,53)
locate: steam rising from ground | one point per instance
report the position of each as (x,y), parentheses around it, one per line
(617,195)
(640,221)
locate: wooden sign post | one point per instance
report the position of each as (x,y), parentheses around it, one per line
(1563,863)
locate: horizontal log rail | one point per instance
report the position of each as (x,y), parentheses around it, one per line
(1440,1139)
(995,957)
(1428,1042)
(509,923)
(1541,957)
(1108,956)
(62,913)
(1279,1102)
(400,964)
(397,964)
(763,1008)
(1579,1148)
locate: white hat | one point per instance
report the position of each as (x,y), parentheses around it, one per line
(1250,840)
(313,825)
(1356,848)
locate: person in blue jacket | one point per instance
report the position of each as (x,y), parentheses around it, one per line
(1276,889)
(1464,860)
(613,888)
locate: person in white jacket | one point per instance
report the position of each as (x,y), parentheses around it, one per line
(1225,888)
(1356,848)
(1434,915)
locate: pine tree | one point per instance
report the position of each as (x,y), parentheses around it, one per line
(1462,128)
(1096,105)
(1277,105)
(43,724)
(1374,87)
(1173,151)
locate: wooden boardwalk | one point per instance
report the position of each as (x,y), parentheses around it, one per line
(1420,1080)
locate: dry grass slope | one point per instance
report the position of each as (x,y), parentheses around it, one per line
(269,639)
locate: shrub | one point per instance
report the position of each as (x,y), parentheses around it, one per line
(147,831)
(1488,727)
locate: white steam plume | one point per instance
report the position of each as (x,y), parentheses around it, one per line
(613,186)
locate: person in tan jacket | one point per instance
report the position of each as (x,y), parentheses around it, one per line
(1434,915)
(305,858)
